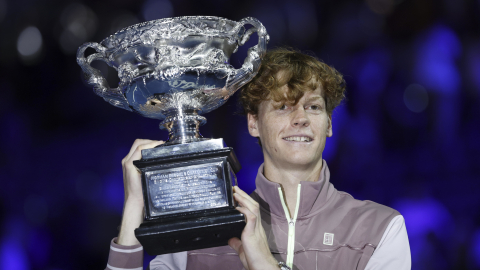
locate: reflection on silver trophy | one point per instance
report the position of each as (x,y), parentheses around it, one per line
(175,70)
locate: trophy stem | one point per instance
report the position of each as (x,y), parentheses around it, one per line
(183,128)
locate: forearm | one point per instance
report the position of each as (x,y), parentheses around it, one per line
(125,250)
(131,219)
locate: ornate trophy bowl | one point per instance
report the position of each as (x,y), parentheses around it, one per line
(175,70)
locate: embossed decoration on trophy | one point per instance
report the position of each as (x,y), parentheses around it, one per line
(175,70)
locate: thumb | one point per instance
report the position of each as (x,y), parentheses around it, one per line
(235,243)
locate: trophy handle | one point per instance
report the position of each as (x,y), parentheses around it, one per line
(95,78)
(252,62)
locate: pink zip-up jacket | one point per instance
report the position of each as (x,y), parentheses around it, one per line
(329,230)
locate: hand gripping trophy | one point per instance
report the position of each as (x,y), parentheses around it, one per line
(175,70)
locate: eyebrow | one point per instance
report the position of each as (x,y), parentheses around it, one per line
(314,98)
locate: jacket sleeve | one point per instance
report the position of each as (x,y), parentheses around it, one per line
(173,261)
(393,250)
(124,257)
(131,258)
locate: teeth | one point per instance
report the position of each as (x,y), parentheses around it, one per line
(298,139)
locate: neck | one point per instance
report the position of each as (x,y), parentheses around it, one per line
(289,177)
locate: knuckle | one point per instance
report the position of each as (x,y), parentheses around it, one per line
(251,217)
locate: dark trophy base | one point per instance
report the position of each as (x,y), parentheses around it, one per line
(195,233)
(188,197)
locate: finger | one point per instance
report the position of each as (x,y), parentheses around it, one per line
(127,165)
(235,243)
(244,201)
(236,189)
(135,144)
(250,217)
(253,213)
(137,154)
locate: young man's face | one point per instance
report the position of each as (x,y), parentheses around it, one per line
(293,136)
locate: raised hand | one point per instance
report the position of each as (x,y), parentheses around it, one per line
(133,205)
(253,249)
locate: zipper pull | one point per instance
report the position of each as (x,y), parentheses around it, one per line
(291,223)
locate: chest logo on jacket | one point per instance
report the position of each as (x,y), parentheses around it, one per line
(328,239)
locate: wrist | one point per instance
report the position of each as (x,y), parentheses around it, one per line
(269,264)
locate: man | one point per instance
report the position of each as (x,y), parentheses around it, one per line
(295,217)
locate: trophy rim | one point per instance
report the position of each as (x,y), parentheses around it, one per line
(164,20)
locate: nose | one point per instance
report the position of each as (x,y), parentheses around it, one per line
(300,118)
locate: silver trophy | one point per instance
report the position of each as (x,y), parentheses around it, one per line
(175,70)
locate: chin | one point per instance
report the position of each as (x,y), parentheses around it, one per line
(302,161)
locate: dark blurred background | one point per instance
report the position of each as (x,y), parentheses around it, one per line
(407,135)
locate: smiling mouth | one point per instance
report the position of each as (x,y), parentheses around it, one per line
(298,139)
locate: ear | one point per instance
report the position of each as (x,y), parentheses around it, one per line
(329,127)
(253,125)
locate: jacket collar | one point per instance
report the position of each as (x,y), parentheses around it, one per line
(313,195)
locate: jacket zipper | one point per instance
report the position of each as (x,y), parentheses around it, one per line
(291,225)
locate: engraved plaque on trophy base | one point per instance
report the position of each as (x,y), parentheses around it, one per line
(188,197)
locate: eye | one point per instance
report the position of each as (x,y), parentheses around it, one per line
(283,107)
(314,107)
